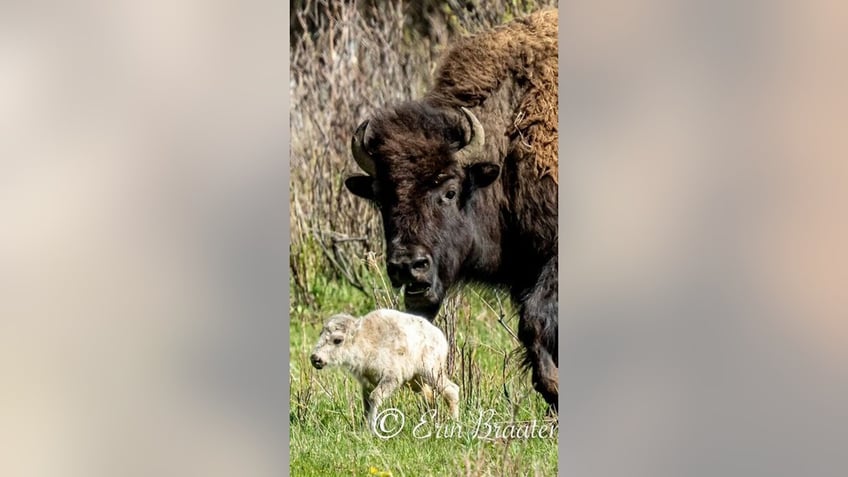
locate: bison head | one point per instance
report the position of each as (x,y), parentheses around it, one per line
(425,169)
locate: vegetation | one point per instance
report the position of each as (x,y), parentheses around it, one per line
(348,59)
(328,433)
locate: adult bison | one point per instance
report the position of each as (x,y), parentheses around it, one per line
(466,181)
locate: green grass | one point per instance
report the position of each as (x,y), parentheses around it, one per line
(328,435)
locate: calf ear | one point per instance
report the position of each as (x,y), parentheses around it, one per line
(482,174)
(362,186)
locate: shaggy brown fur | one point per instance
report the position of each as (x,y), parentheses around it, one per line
(521,55)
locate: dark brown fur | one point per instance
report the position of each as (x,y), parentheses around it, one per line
(494,221)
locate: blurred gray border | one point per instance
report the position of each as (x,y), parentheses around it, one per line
(561,229)
(286,141)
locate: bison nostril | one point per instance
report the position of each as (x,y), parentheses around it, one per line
(405,266)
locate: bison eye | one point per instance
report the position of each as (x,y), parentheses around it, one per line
(337,341)
(449,195)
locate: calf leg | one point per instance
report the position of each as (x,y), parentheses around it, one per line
(419,385)
(450,393)
(447,389)
(366,403)
(537,330)
(384,389)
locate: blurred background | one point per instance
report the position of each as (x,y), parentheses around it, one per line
(143,195)
(704,223)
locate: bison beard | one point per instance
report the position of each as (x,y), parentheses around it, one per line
(466,182)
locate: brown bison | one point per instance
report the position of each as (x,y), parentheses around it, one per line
(466,181)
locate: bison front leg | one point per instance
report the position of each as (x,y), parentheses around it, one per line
(537,329)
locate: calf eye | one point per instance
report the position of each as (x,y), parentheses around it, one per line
(337,341)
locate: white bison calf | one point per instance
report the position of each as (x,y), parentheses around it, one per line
(385,349)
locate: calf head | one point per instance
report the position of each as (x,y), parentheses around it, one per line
(334,342)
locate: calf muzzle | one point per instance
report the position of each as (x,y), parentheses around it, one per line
(317,362)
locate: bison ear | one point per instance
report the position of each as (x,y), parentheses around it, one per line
(362,186)
(482,174)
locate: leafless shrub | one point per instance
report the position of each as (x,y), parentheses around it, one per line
(448,317)
(469,375)
(340,73)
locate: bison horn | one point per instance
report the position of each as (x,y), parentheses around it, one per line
(357,148)
(474,148)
